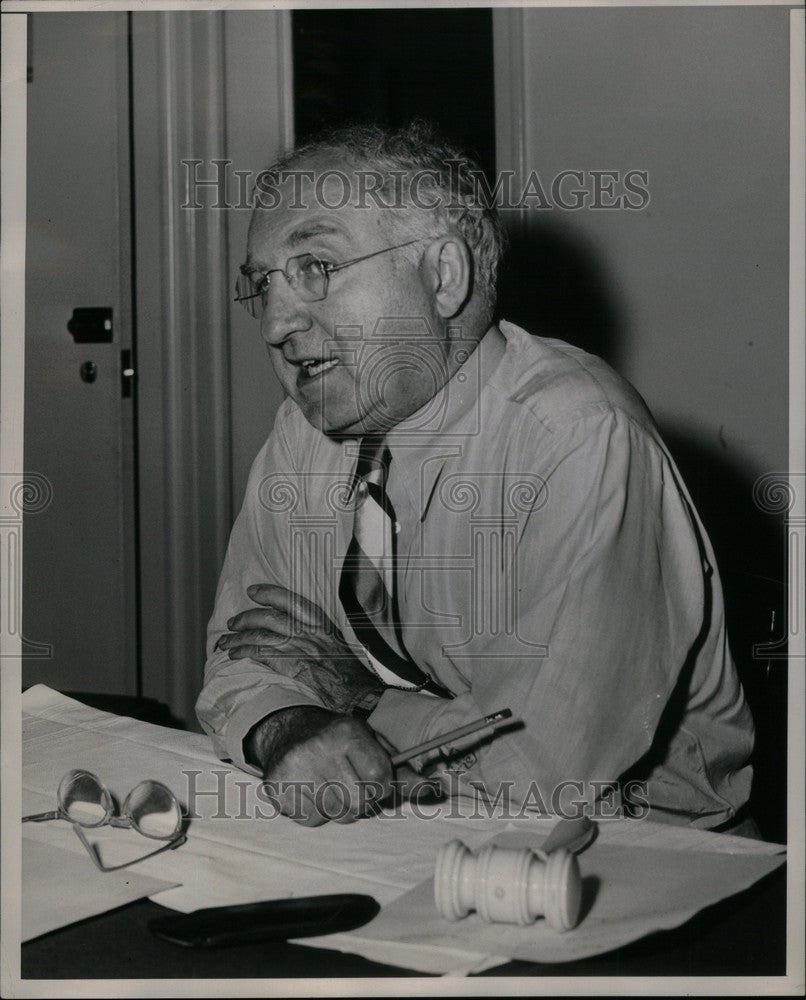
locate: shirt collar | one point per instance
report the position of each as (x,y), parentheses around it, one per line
(423,442)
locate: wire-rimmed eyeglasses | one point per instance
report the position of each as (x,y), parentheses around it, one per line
(150,808)
(307,274)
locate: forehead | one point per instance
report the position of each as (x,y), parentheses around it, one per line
(311,203)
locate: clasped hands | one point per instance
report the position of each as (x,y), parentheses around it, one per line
(321,747)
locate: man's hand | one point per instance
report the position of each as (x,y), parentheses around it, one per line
(320,766)
(294,637)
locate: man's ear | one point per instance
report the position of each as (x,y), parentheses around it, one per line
(449,265)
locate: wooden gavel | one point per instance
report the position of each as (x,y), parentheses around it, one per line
(513,886)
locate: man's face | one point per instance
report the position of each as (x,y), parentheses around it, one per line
(376,341)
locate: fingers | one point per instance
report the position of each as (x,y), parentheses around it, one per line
(292,605)
(342,801)
(338,775)
(269,618)
(370,761)
(311,803)
(296,800)
(363,772)
(339,800)
(272,643)
(283,615)
(252,636)
(289,663)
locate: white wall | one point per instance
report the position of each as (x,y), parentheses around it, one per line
(688,297)
(698,98)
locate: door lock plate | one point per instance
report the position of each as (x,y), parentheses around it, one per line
(91,326)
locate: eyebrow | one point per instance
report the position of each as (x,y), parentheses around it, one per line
(296,238)
(307,231)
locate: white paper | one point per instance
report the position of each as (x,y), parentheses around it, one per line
(232,860)
(232,856)
(628,892)
(59,888)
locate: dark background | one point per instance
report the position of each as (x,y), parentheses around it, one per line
(390,66)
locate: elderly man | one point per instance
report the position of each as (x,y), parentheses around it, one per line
(452,516)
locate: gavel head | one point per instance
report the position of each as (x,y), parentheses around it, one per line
(508,885)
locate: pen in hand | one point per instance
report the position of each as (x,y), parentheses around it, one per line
(489,721)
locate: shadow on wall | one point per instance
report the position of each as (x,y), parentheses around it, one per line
(555,284)
(749,544)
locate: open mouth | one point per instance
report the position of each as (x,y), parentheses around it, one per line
(312,367)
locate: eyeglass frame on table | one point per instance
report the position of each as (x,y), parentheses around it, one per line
(125,820)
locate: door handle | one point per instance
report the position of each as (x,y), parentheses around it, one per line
(126,373)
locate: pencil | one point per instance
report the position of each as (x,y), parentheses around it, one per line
(438,741)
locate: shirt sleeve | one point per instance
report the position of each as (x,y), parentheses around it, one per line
(611,588)
(237,694)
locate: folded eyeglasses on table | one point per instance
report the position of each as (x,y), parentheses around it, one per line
(86,803)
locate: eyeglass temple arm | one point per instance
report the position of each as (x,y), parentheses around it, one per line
(375,253)
(41,817)
(334,267)
(96,860)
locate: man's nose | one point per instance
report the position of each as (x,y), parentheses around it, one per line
(284,313)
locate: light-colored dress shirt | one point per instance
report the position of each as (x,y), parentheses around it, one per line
(550,560)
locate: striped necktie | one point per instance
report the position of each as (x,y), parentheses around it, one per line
(367,588)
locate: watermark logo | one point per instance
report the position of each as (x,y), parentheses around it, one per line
(21,494)
(777,493)
(453,797)
(216,184)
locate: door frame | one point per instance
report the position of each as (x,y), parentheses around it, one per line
(188,103)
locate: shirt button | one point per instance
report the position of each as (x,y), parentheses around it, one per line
(397,527)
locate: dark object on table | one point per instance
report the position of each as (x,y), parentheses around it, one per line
(274,920)
(744,935)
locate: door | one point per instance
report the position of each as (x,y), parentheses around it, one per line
(79,571)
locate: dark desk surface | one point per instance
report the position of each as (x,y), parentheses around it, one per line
(741,936)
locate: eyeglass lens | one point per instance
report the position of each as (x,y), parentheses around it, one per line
(84,800)
(304,273)
(153,810)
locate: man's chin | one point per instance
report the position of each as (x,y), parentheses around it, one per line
(341,427)
(329,424)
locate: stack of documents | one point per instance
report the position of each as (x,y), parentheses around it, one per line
(639,876)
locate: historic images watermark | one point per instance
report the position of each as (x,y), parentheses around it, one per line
(21,495)
(245,799)
(376,362)
(484,510)
(217,184)
(777,493)
(487,564)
